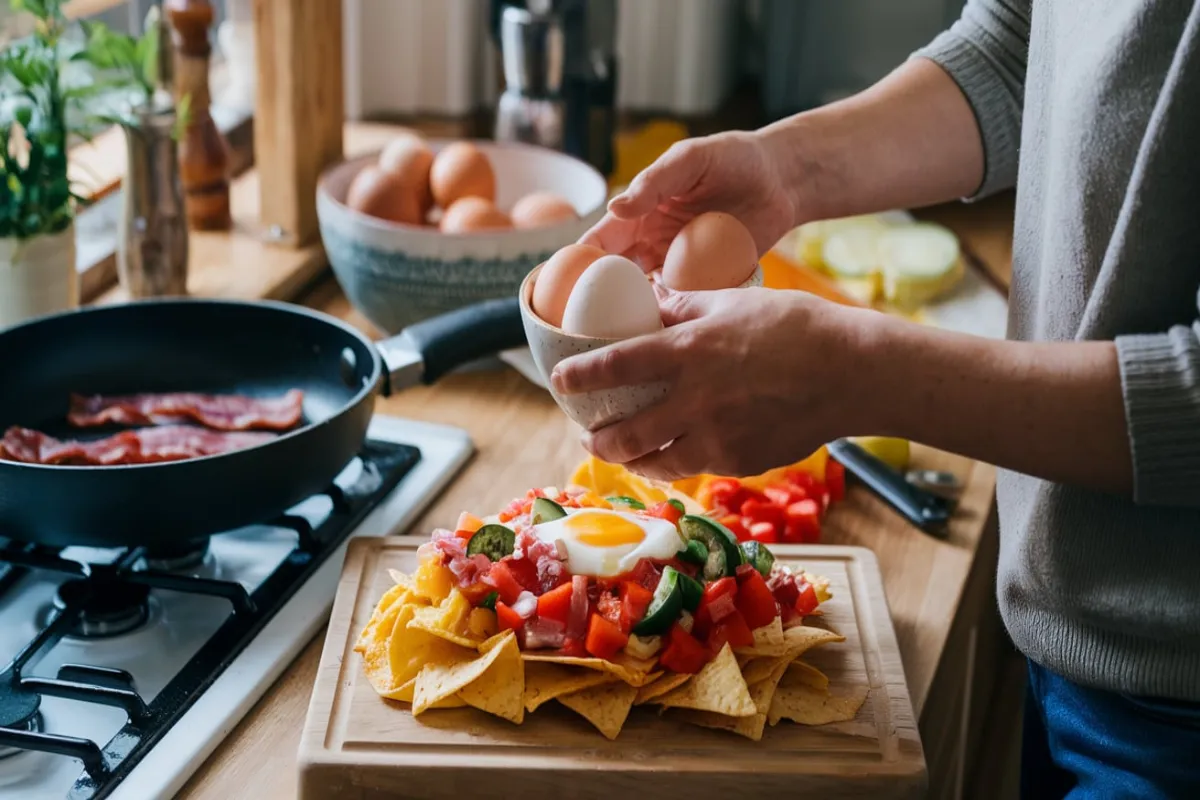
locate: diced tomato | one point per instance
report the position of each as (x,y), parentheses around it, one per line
(665,510)
(556,604)
(765,532)
(609,607)
(835,479)
(719,598)
(763,511)
(734,630)
(635,599)
(646,573)
(604,638)
(506,618)
(525,571)
(736,526)
(786,593)
(684,653)
(803,522)
(723,494)
(507,585)
(754,600)
(573,648)
(807,602)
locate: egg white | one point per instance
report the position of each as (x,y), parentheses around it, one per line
(661,540)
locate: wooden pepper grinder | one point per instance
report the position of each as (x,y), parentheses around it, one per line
(203,151)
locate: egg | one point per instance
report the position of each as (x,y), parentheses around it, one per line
(409,158)
(542,209)
(604,543)
(385,195)
(712,251)
(472,215)
(461,170)
(557,278)
(612,299)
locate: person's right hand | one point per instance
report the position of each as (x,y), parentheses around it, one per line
(731,172)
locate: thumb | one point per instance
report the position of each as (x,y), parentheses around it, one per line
(678,307)
(674,173)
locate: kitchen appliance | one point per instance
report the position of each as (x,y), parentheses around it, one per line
(258,349)
(357,745)
(125,667)
(560,69)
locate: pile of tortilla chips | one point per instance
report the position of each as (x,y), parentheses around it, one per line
(424,645)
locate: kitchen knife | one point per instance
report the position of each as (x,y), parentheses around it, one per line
(923,509)
(425,351)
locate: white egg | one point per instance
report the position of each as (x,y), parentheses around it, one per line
(612,299)
(603,543)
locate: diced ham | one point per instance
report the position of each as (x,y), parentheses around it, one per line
(578,619)
(544,634)
(140,446)
(225,412)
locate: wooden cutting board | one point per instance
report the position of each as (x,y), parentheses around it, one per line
(357,745)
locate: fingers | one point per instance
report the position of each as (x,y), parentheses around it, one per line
(611,235)
(678,307)
(640,435)
(643,359)
(674,173)
(682,459)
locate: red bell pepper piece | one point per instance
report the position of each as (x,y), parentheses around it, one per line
(763,511)
(803,522)
(755,602)
(736,526)
(635,599)
(556,604)
(665,510)
(807,602)
(604,638)
(683,653)
(835,479)
(765,532)
(506,618)
(732,629)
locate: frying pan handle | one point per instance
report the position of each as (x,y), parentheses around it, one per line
(923,509)
(429,349)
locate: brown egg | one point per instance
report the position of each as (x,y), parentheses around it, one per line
(541,209)
(384,195)
(558,277)
(461,170)
(409,157)
(473,214)
(712,251)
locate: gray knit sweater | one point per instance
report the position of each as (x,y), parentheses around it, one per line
(1092,109)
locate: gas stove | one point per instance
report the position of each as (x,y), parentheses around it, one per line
(123,669)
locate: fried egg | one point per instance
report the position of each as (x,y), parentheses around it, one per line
(602,543)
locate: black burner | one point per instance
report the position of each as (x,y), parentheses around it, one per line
(18,709)
(107,606)
(168,558)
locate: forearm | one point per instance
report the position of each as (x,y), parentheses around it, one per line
(911,140)
(1053,410)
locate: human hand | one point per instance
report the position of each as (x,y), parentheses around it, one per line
(758,378)
(733,172)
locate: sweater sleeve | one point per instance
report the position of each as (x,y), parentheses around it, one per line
(985,52)
(1160,382)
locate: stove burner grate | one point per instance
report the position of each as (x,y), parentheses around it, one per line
(184,556)
(103,599)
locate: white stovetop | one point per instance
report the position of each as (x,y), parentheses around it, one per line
(181,623)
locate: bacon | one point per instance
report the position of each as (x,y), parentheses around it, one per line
(228,412)
(140,446)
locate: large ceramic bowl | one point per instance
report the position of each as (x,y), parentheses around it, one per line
(397,274)
(549,345)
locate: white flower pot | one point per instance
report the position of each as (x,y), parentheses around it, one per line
(37,276)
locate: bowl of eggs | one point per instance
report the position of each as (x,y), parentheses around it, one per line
(582,299)
(428,226)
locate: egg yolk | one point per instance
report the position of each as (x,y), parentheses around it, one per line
(603,530)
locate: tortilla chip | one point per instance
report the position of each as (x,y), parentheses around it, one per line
(389,598)
(660,686)
(545,682)
(719,687)
(768,641)
(377,656)
(751,727)
(800,673)
(628,670)
(433,581)
(810,706)
(798,641)
(412,648)
(449,615)
(442,678)
(405,695)
(430,627)
(605,706)
(400,578)
(500,689)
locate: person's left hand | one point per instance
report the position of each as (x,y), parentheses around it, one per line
(759,378)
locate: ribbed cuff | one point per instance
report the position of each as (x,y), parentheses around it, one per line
(997,111)
(1160,381)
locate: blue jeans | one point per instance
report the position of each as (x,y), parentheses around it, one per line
(1082,743)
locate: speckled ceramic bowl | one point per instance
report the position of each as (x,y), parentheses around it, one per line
(549,345)
(397,274)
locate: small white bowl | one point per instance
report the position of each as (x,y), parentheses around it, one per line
(549,345)
(397,274)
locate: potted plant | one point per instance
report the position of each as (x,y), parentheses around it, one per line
(59,82)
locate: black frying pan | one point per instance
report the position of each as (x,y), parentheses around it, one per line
(209,346)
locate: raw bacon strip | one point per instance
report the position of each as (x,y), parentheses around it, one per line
(229,412)
(141,446)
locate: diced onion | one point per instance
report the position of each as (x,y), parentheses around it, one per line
(686,620)
(526,605)
(577,620)
(643,646)
(543,633)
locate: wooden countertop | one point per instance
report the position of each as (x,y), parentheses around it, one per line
(523,440)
